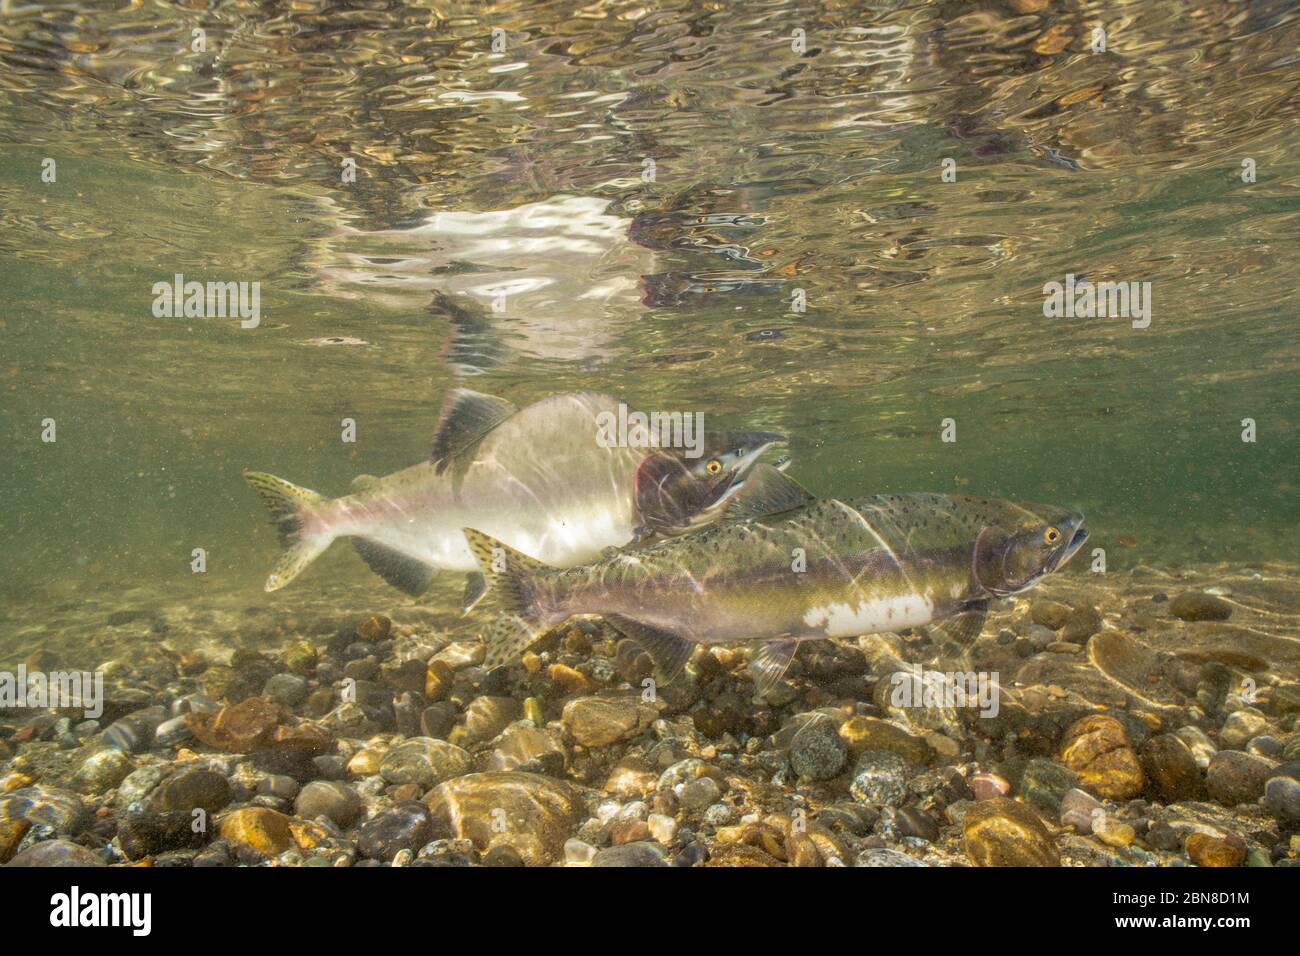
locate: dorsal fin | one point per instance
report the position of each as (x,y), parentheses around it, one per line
(361,482)
(466,417)
(767,491)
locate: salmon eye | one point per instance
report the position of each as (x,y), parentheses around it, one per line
(1051,536)
(713,467)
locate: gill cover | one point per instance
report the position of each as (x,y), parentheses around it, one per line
(989,564)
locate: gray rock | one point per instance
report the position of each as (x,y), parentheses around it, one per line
(424,761)
(880,777)
(817,751)
(57,853)
(102,771)
(1234,777)
(886,857)
(287,689)
(640,853)
(331,799)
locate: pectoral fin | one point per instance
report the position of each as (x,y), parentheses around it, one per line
(466,417)
(769,661)
(475,588)
(402,572)
(964,627)
(767,491)
(669,651)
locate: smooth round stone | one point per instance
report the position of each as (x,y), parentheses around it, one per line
(1234,777)
(986,786)
(485,717)
(1199,606)
(577,852)
(601,721)
(880,778)
(57,853)
(871,733)
(188,790)
(641,853)
(718,815)
(60,810)
(1240,726)
(139,784)
(1097,748)
(1201,746)
(1170,763)
(173,732)
(915,822)
(817,751)
(883,856)
(662,827)
(280,786)
(1050,614)
(1004,832)
(700,794)
(530,812)
(1040,637)
(406,826)
(424,761)
(1282,798)
(102,771)
(523,746)
(287,689)
(1079,810)
(331,799)
(1206,850)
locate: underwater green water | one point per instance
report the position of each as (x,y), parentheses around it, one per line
(528,171)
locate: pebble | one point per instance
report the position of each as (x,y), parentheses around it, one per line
(139,784)
(424,762)
(1206,850)
(264,831)
(1234,777)
(1044,784)
(1050,614)
(1172,766)
(57,853)
(1199,606)
(487,716)
(700,794)
(662,827)
(1282,793)
(871,733)
(640,853)
(331,799)
(600,721)
(883,856)
(1098,750)
(986,786)
(578,853)
(818,752)
(880,778)
(173,732)
(290,690)
(1004,832)
(915,822)
(102,771)
(1079,809)
(1242,725)
(406,826)
(532,813)
(187,790)
(1201,746)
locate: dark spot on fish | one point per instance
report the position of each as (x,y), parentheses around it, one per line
(765,335)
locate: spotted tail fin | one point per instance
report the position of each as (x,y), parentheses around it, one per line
(291,508)
(510,578)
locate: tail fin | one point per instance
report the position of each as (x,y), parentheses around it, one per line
(289,506)
(510,577)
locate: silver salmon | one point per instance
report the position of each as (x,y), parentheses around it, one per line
(546,479)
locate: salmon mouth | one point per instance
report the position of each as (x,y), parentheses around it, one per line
(1071,549)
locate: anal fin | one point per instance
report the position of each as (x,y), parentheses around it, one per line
(769,661)
(401,571)
(669,651)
